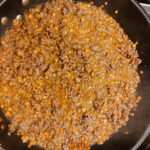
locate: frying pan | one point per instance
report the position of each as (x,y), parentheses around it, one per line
(136,24)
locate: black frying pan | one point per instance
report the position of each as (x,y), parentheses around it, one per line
(136,24)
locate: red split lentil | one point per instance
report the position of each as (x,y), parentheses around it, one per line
(9,133)
(2,127)
(141,72)
(68,75)
(116,11)
(106,3)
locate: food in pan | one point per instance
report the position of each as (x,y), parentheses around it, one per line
(68,75)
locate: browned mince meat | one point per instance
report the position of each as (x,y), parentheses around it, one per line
(68,75)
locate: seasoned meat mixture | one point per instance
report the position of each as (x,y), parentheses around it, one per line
(68,75)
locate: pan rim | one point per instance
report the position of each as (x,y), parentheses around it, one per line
(141,9)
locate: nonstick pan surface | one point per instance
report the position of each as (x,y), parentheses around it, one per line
(136,24)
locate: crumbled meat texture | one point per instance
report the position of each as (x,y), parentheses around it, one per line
(68,75)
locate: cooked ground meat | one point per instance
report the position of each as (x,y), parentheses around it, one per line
(68,75)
